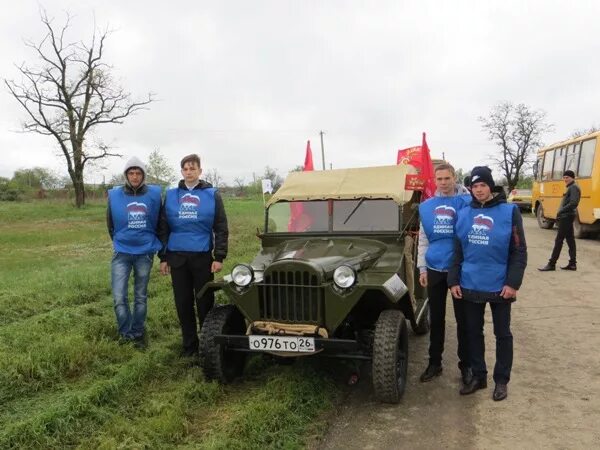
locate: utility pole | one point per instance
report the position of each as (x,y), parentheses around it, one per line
(322,149)
(443,156)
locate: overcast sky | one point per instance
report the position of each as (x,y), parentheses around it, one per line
(246,83)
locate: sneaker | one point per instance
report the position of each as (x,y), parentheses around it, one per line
(124,340)
(569,267)
(547,268)
(140,343)
(430,373)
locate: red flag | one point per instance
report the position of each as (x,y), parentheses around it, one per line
(308,161)
(427,171)
(299,221)
(409,156)
(420,158)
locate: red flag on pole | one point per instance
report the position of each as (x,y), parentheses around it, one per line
(299,221)
(420,158)
(308,161)
(427,171)
(409,156)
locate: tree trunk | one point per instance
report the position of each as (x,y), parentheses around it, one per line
(79,193)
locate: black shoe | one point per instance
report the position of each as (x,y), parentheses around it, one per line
(569,267)
(474,385)
(430,373)
(547,268)
(140,343)
(466,375)
(188,353)
(500,392)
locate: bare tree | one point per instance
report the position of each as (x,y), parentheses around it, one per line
(213,177)
(158,169)
(70,93)
(517,131)
(584,131)
(240,186)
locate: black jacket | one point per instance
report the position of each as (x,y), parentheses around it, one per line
(220,228)
(570,201)
(517,254)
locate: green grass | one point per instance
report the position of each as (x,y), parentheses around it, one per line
(64,380)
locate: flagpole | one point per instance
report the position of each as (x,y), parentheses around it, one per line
(322,149)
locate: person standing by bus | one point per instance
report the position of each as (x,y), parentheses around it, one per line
(436,235)
(565,217)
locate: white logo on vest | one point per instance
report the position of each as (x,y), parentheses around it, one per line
(479,234)
(188,206)
(136,215)
(443,222)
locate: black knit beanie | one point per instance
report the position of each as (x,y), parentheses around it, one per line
(569,173)
(482,174)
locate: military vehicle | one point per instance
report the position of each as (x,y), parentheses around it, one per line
(336,276)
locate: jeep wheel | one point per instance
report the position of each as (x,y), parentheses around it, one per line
(544,223)
(219,363)
(423,323)
(390,356)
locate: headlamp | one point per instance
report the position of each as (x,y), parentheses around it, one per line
(242,275)
(344,277)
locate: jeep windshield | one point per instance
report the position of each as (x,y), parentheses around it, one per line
(333,216)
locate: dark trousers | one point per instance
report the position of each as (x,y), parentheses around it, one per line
(504,339)
(189,273)
(437,291)
(565,231)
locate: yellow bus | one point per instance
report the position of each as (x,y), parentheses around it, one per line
(582,156)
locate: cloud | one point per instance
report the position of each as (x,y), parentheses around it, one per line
(245,84)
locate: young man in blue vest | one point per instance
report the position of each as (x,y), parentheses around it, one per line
(194,233)
(132,220)
(490,256)
(436,237)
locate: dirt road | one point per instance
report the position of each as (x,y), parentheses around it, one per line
(554,393)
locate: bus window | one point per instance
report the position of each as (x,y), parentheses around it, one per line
(586,161)
(547,168)
(572,157)
(538,167)
(559,163)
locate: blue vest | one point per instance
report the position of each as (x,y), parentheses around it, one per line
(135,219)
(190,215)
(485,235)
(438,217)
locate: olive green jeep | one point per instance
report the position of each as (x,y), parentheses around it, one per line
(336,277)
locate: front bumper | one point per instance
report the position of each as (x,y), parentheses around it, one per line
(328,347)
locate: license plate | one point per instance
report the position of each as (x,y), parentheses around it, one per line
(282,343)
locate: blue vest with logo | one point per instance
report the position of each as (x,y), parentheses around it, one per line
(485,235)
(135,219)
(190,215)
(438,217)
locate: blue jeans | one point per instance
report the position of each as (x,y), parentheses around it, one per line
(131,326)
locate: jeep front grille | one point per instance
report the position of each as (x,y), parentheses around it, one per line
(291,296)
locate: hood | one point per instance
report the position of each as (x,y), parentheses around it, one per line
(134,162)
(328,253)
